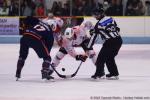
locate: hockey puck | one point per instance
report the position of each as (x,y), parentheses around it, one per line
(63,69)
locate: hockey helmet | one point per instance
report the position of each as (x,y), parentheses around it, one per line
(98,11)
(68,33)
(52,24)
(31,21)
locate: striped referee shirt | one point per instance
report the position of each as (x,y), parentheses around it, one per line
(107,28)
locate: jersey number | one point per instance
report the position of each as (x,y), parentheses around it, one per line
(39,28)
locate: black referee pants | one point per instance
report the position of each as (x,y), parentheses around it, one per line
(107,56)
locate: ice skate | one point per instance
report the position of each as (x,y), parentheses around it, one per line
(112,77)
(98,76)
(46,74)
(18,74)
(20,65)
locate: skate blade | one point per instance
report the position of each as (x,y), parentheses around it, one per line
(112,78)
(98,78)
(102,78)
(48,80)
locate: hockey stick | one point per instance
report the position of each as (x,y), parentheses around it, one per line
(68,76)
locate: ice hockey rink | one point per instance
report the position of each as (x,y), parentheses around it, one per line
(133,63)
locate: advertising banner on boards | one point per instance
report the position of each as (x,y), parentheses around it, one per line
(9,25)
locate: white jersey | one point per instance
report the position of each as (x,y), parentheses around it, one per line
(80,33)
(59,24)
(68,43)
(78,37)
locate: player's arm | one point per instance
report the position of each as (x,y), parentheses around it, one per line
(92,40)
(22,28)
(58,37)
(71,51)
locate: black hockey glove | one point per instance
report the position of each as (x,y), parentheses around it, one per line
(92,31)
(118,29)
(81,57)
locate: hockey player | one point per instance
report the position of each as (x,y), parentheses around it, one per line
(75,37)
(39,37)
(109,32)
(56,24)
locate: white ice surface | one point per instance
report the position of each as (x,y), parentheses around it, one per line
(133,63)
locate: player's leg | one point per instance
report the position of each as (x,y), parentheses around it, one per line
(112,68)
(43,52)
(110,62)
(100,64)
(59,56)
(46,71)
(20,64)
(24,48)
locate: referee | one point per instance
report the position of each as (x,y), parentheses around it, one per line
(107,28)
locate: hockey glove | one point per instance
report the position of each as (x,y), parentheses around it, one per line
(118,29)
(92,31)
(81,57)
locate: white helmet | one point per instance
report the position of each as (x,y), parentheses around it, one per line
(68,33)
(52,24)
(88,25)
